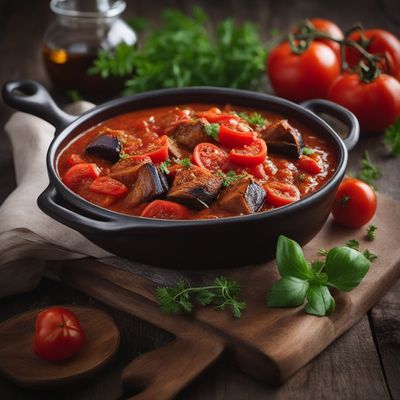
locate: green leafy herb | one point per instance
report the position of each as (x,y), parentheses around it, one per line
(371,232)
(74,95)
(307,151)
(369,172)
(254,119)
(122,156)
(353,244)
(322,252)
(183,53)
(369,255)
(301,177)
(231,177)
(343,269)
(212,130)
(392,138)
(223,293)
(164,166)
(184,162)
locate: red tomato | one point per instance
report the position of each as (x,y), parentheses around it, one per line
(164,209)
(157,150)
(309,165)
(209,156)
(305,76)
(74,159)
(380,42)
(80,173)
(257,171)
(280,194)
(329,27)
(253,154)
(355,203)
(58,334)
(375,104)
(230,137)
(109,186)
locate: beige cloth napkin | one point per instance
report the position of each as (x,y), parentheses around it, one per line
(28,237)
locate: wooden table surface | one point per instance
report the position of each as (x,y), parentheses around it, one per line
(362,364)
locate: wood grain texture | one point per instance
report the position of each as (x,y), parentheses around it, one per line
(20,364)
(352,359)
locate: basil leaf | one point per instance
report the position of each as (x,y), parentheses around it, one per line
(320,301)
(290,259)
(345,267)
(287,292)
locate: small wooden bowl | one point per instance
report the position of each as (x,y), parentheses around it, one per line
(20,364)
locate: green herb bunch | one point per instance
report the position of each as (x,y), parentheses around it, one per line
(342,269)
(223,294)
(183,53)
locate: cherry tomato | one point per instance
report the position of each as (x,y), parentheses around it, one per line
(231,137)
(250,155)
(58,334)
(309,165)
(329,27)
(279,194)
(381,43)
(74,159)
(80,173)
(164,209)
(109,186)
(305,76)
(157,150)
(375,104)
(355,203)
(209,156)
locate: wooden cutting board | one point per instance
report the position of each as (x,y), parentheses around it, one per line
(269,344)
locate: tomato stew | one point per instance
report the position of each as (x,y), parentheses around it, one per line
(196,161)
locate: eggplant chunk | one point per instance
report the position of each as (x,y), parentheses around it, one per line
(148,186)
(244,196)
(283,138)
(190,134)
(195,187)
(105,146)
(126,170)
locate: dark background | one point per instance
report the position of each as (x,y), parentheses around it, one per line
(363,364)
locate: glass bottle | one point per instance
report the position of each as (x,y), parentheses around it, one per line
(81,28)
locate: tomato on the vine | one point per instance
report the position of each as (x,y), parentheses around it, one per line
(378,42)
(302,76)
(355,203)
(58,334)
(376,104)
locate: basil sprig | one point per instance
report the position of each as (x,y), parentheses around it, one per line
(343,269)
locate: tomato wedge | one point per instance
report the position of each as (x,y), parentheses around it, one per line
(309,165)
(74,159)
(230,137)
(109,186)
(210,156)
(280,194)
(157,150)
(250,155)
(164,209)
(80,173)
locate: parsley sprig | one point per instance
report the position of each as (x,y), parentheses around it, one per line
(371,232)
(223,294)
(231,177)
(342,269)
(369,172)
(212,130)
(392,138)
(254,118)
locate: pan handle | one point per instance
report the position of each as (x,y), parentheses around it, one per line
(341,113)
(33,98)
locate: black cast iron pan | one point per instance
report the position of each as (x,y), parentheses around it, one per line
(217,243)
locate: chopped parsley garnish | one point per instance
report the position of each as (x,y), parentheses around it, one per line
(212,130)
(164,166)
(369,172)
(392,138)
(254,119)
(231,177)
(307,151)
(353,244)
(369,255)
(301,177)
(122,156)
(184,162)
(371,232)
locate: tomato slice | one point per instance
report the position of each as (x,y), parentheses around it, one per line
(157,150)
(164,209)
(280,194)
(250,155)
(80,173)
(230,137)
(109,186)
(74,159)
(209,156)
(309,165)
